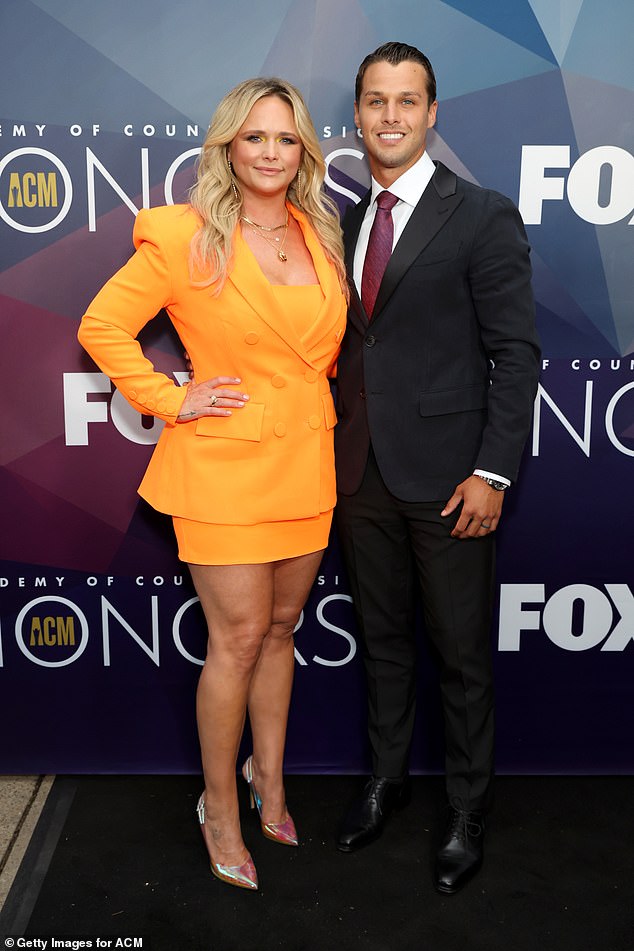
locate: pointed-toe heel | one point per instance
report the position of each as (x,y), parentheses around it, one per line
(283,832)
(242,876)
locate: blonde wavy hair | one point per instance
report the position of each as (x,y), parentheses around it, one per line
(220,207)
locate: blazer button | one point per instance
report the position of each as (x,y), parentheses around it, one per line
(133,394)
(278,381)
(280,429)
(314,422)
(252,338)
(370,340)
(311,375)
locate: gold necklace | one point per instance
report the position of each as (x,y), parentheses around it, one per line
(278,250)
(254,224)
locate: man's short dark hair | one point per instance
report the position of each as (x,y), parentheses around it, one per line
(395,53)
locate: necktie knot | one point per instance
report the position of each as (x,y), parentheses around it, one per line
(386,201)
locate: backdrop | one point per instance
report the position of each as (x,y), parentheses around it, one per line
(103,110)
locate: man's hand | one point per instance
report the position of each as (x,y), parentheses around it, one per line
(481,508)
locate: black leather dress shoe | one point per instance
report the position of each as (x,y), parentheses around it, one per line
(366,816)
(460,855)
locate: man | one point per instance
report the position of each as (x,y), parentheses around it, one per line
(436,381)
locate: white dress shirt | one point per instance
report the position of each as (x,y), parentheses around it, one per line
(408,188)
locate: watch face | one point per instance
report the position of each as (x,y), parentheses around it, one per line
(494,483)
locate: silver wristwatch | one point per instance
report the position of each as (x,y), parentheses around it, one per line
(494,483)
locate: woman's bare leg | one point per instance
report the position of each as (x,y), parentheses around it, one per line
(271,684)
(238,604)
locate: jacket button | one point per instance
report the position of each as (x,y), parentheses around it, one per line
(370,340)
(280,429)
(311,375)
(278,381)
(362,394)
(313,421)
(252,337)
(133,394)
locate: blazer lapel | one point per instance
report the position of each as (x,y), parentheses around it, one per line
(351,226)
(438,202)
(330,311)
(249,280)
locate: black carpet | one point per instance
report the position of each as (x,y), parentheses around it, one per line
(122,856)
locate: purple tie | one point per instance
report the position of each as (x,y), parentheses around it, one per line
(379,250)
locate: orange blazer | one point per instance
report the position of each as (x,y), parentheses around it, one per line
(273,459)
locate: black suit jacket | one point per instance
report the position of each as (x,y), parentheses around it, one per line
(442,380)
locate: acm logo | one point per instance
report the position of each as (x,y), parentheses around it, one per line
(30,180)
(51,636)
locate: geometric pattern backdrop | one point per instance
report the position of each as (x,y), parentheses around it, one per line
(104,107)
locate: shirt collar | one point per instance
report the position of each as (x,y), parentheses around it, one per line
(410,186)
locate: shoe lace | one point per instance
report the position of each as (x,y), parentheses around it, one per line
(371,791)
(461,823)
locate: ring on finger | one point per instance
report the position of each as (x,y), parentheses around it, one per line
(213,400)
(485,525)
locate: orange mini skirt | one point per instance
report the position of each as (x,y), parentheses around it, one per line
(204,543)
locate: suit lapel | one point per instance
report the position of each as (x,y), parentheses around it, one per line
(351,226)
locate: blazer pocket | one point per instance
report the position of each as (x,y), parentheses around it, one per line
(428,257)
(245,423)
(462,400)
(330,415)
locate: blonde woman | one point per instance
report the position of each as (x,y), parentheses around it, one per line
(252,276)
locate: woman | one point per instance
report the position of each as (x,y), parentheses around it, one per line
(252,276)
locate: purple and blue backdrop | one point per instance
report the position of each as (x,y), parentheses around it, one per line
(104,107)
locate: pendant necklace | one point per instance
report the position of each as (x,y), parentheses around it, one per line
(260,229)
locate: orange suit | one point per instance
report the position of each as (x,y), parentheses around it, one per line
(271,460)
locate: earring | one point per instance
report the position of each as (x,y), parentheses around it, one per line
(298,187)
(233,184)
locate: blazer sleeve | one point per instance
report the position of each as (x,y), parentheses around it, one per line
(500,279)
(129,300)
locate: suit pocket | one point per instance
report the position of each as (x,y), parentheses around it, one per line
(440,255)
(245,423)
(330,415)
(461,400)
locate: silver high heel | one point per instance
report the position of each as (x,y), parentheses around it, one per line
(282,832)
(243,876)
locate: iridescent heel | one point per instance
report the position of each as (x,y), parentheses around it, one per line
(242,876)
(282,832)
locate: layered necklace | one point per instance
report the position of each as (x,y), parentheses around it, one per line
(278,247)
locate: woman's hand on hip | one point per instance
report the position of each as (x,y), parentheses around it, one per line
(211,398)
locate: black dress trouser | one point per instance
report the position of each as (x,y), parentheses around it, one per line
(387,544)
